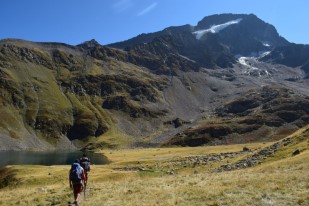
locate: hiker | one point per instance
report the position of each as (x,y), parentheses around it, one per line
(85,163)
(77,179)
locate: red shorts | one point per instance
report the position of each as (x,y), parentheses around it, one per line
(77,188)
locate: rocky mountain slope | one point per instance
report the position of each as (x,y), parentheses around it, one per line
(229,79)
(214,41)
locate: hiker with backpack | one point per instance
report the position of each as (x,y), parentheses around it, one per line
(85,163)
(77,178)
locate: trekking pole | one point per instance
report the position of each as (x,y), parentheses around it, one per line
(85,192)
(85,187)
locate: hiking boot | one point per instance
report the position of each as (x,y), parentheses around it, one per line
(75,203)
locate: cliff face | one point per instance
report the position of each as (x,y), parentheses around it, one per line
(227,79)
(292,55)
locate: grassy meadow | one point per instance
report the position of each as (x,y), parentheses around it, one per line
(164,176)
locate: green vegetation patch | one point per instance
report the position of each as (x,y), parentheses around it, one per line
(7,177)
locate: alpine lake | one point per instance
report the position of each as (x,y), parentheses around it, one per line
(47,158)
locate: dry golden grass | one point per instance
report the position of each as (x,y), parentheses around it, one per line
(36,185)
(150,154)
(281,180)
(288,185)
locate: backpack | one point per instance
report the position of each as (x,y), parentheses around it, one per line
(86,165)
(75,173)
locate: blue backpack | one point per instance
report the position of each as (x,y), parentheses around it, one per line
(85,163)
(76,173)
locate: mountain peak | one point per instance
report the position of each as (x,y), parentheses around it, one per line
(218,19)
(243,33)
(89,44)
(215,40)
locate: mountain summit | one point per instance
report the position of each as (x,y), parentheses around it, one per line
(89,44)
(215,40)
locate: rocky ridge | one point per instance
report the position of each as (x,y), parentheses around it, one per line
(256,158)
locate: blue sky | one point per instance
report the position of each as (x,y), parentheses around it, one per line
(107,21)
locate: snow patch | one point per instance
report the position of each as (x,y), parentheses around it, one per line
(250,70)
(264,54)
(254,55)
(215,28)
(265,44)
(186,58)
(243,61)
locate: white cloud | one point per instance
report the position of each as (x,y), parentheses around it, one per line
(122,5)
(147,9)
